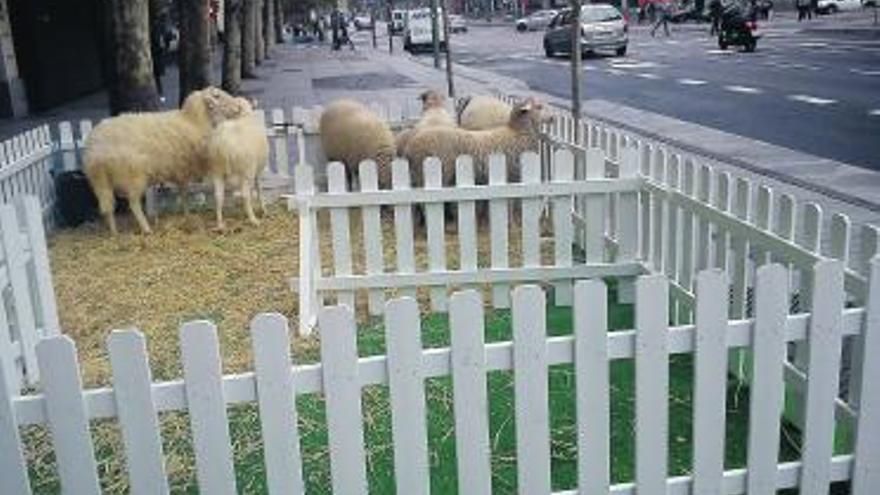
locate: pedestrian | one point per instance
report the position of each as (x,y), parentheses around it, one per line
(159,44)
(343,33)
(814,9)
(663,14)
(803,8)
(715,10)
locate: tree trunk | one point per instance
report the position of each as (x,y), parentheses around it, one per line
(248,39)
(268,26)
(132,87)
(279,21)
(195,47)
(258,32)
(232,46)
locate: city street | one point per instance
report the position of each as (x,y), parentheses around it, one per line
(815,91)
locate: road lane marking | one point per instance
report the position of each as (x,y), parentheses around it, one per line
(874,113)
(648,75)
(692,82)
(631,64)
(813,100)
(863,72)
(614,72)
(743,89)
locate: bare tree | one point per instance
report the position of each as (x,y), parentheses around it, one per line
(279,21)
(248,39)
(268,26)
(258,32)
(130,65)
(194,58)
(232,46)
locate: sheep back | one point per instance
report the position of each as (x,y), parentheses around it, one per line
(352,133)
(484,112)
(238,149)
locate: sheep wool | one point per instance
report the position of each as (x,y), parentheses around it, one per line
(130,152)
(483,112)
(237,152)
(434,114)
(352,133)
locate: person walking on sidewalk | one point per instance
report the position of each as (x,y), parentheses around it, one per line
(159,41)
(663,14)
(715,10)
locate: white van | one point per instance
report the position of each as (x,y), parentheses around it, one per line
(397,21)
(417,30)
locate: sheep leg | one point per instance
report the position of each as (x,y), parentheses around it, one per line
(219,191)
(183,197)
(248,205)
(106,205)
(134,202)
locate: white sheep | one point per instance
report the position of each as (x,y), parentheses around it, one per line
(237,152)
(482,112)
(352,133)
(434,114)
(130,152)
(522,133)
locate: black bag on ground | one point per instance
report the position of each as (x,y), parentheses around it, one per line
(75,201)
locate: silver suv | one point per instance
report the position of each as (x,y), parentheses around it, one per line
(602,29)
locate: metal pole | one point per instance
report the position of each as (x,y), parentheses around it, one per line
(435,33)
(390,24)
(373,25)
(576,72)
(449,82)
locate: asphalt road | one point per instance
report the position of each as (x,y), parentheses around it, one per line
(814,92)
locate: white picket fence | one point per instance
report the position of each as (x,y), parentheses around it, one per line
(26,162)
(134,401)
(28,310)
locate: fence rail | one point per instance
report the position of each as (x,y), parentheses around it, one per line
(205,394)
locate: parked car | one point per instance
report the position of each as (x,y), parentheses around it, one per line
(457,24)
(363,21)
(603,28)
(834,6)
(536,21)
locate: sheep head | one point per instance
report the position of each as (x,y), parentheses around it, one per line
(211,105)
(528,116)
(432,99)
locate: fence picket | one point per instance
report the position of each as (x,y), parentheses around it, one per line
(648,230)
(840,235)
(660,219)
(785,220)
(768,352)
(469,392)
(704,229)
(13,467)
(67,418)
(865,475)
(31,211)
(138,421)
(811,241)
(340,230)
(674,240)
(763,219)
(824,335)
(688,237)
(467,222)
(652,383)
(628,209)
(403,224)
(342,391)
(592,394)
(530,390)
(372,234)
(9,349)
(531,211)
(407,389)
(279,139)
(16,260)
(436,231)
(563,171)
(710,382)
(200,354)
(499,217)
(594,244)
(869,247)
(309,255)
(739,247)
(275,394)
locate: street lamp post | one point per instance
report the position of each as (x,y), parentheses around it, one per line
(435,33)
(449,82)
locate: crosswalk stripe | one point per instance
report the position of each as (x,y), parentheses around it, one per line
(648,75)
(874,113)
(692,82)
(813,100)
(743,89)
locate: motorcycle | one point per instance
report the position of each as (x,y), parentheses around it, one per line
(738,28)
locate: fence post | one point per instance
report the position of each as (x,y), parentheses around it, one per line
(865,475)
(628,242)
(13,468)
(308,249)
(30,209)
(24,312)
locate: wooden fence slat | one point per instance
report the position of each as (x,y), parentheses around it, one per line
(10,233)
(811,241)
(839,233)
(531,211)
(498,219)
(132,382)
(739,247)
(279,138)
(470,403)
(66,414)
(648,230)
(309,255)
(563,171)
(36,233)
(530,390)
(342,391)
(824,335)
(673,241)
(403,223)
(710,382)
(704,232)
(768,354)
(593,399)
(688,224)
(200,354)
(763,219)
(594,244)
(340,230)
(436,231)
(869,246)
(276,394)
(865,475)
(660,219)
(13,467)
(407,389)
(9,350)
(628,209)
(652,383)
(372,235)
(467,220)
(785,220)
